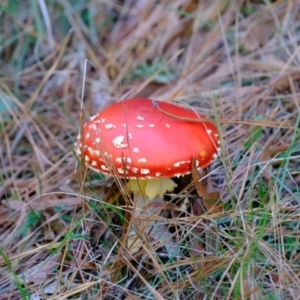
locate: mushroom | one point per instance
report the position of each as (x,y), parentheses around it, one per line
(147,142)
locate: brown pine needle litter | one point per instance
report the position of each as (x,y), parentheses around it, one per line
(229,232)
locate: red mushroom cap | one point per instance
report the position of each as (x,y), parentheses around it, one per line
(133,138)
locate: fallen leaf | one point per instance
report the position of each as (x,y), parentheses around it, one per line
(149,224)
(42,203)
(40,272)
(49,234)
(196,244)
(264,159)
(210,203)
(258,34)
(279,149)
(209,200)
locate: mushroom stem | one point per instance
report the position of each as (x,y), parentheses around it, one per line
(150,188)
(140,201)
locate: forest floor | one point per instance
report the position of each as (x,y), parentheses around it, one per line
(64,229)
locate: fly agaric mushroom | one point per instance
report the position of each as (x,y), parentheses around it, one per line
(147,142)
